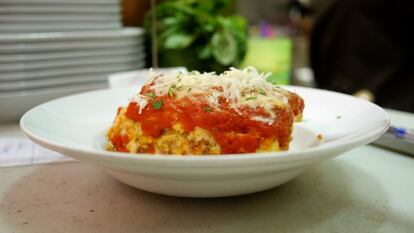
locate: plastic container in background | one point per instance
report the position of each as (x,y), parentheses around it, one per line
(270,51)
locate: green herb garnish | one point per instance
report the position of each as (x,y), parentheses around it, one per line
(171,91)
(207,109)
(251,98)
(157,104)
(151,95)
(262,92)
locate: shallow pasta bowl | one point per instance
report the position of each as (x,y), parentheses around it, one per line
(75,126)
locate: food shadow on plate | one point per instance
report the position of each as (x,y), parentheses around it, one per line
(75,197)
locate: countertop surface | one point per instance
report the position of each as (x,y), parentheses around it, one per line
(368,189)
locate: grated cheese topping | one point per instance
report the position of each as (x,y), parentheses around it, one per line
(245,87)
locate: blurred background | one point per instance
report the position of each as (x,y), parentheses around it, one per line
(52,48)
(358,47)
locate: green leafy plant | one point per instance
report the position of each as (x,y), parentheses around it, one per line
(193,33)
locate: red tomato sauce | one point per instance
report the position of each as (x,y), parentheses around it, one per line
(234,132)
(120,142)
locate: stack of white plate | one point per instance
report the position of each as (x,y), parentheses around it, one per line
(18,16)
(36,67)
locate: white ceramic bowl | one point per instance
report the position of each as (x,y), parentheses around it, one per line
(49,38)
(41,18)
(35,8)
(76,126)
(70,36)
(22,85)
(68,45)
(57,55)
(68,41)
(71,70)
(71,62)
(24,27)
(52,2)
(52,82)
(16,103)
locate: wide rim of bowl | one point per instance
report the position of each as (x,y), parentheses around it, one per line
(325,150)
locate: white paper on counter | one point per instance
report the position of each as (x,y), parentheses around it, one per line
(17,151)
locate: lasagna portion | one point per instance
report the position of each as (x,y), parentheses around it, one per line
(193,113)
